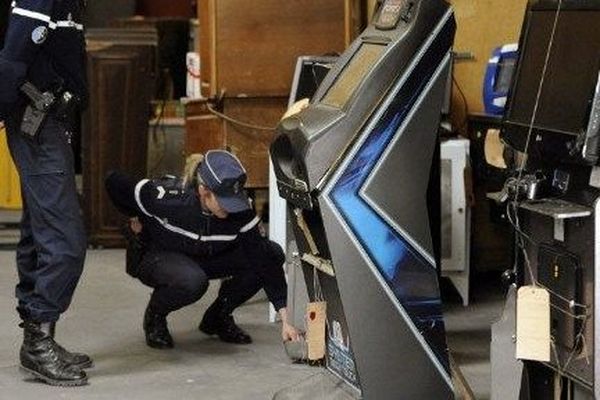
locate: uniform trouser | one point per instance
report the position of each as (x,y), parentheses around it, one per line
(179,280)
(51,251)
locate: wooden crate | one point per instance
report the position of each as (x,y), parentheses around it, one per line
(250,47)
(205,131)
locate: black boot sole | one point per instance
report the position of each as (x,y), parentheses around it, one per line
(209,331)
(235,341)
(54,382)
(85,365)
(159,346)
(212,331)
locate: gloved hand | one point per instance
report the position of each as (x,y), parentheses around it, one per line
(135,247)
(12,76)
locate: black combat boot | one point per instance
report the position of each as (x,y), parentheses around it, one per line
(156,330)
(40,356)
(218,321)
(79,360)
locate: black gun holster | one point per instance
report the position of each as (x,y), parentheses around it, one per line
(61,104)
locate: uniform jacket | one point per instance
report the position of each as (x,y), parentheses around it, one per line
(173,220)
(44,45)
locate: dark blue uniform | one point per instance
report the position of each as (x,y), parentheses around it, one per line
(185,246)
(45,45)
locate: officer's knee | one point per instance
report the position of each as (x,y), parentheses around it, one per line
(193,285)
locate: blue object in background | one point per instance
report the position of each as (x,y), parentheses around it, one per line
(498,78)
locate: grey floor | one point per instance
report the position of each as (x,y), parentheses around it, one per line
(105,321)
(468,329)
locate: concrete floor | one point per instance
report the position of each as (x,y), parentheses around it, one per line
(105,321)
(468,329)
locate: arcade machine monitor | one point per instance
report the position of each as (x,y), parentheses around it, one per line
(567,113)
(310,72)
(355,168)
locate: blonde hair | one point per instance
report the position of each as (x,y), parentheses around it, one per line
(189,171)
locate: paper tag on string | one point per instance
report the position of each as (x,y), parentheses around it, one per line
(316,316)
(533,324)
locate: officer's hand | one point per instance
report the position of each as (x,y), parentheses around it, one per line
(289,332)
(135,225)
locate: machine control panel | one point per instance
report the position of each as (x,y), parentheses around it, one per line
(392,11)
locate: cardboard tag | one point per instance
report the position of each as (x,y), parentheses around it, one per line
(494,149)
(316,314)
(533,324)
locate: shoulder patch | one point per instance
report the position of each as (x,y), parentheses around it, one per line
(39,35)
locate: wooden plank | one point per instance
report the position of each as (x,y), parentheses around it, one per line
(250,48)
(205,131)
(461,386)
(482,25)
(252,145)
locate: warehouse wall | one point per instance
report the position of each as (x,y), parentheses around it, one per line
(482,26)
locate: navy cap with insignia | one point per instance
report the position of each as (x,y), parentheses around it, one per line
(225,176)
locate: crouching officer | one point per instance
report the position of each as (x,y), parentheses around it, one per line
(204,231)
(43,56)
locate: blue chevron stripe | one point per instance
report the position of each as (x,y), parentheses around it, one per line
(411,277)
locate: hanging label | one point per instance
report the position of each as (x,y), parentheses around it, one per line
(533,324)
(316,314)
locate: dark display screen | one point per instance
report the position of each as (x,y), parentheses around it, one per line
(504,77)
(353,74)
(309,77)
(570,78)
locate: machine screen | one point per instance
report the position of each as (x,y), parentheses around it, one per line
(356,69)
(571,75)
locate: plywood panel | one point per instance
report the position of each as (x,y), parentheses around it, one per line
(250,48)
(252,145)
(205,131)
(482,26)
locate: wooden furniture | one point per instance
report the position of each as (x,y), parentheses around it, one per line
(205,131)
(171,8)
(248,52)
(121,75)
(173,36)
(250,47)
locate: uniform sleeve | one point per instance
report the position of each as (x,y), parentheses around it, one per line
(131,197)
(121,190)
(25,18)
(20,48)
(268,258)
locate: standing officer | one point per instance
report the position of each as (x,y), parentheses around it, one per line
(45,46)
(206,230)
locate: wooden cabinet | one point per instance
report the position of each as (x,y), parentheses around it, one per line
(205,131)
(250,47)
(115,130)
(170,8)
